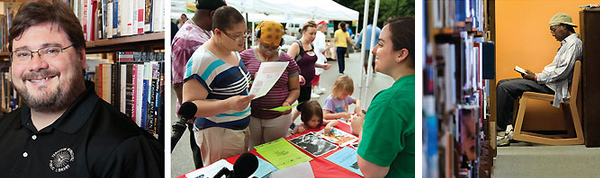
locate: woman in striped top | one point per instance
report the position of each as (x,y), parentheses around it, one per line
(265,125)
(217,82)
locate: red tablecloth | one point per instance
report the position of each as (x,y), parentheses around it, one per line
(321,167)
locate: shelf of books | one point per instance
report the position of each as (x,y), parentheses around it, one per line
(125,57)
(454,92)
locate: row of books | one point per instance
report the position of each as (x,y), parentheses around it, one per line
(104,19)
(9,99)
(7,12)
(446,13)
(133,85)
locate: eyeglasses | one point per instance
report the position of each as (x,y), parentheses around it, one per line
(24,55)
(237,38)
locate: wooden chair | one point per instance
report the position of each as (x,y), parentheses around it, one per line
(572,102)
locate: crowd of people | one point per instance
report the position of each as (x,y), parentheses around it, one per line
(213,68)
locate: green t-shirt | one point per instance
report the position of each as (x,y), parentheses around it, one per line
(388,137)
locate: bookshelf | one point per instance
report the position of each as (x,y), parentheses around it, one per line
(454,92)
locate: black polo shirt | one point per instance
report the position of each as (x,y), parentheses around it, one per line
(91,139)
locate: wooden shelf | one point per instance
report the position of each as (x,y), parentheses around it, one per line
(4,56)
(128,39)
(143,42)
(439,31)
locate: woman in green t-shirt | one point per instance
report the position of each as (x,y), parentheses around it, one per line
(387,145)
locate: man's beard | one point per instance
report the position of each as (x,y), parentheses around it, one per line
(53,101)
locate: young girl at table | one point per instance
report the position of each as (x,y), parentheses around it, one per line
(336,104)
(312,118)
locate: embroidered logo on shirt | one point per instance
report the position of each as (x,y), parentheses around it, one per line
(61,159)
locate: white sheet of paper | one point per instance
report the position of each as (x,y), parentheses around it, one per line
(302,170)
(211,170)
(520,70)
(266,77)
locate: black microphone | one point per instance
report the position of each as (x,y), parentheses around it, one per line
(243,167)
(186,111)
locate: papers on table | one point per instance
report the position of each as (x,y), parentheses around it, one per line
(266,77)
(282,154)
(264,169)
(337,136)
(211,170)
(313,144)
(346,158)
(302,170)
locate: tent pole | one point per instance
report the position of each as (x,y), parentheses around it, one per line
(362,94)
(373,32)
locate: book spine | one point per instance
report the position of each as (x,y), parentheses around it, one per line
(153,90)
(134,97)
(99,83)
(148,16)
(123,89)
(106,82)
(116,19)
(144,103)
(129,89)
(84,18)
(109,19)
(139,93)
(102,16)
(92,19)
(114,86)
(157,12)
(140,13)
(133,16)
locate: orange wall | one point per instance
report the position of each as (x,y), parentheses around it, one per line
(523,38)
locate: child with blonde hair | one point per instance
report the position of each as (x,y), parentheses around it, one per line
(336,104)
(312,118)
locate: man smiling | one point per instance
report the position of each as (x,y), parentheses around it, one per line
(64,129)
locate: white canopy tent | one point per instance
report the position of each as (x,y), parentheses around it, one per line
(281,10)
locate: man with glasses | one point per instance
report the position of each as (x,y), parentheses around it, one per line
(192,34)
(554,79)
(64,129)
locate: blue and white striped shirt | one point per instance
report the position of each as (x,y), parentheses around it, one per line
(222,81)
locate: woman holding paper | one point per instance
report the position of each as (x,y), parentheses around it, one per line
(269,125)
(216,81)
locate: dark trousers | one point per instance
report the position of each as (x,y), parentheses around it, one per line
(366,60)
(341,51)
(196,156)
(509,90)
(305,92)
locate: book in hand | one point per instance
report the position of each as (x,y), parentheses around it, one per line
(520,70)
